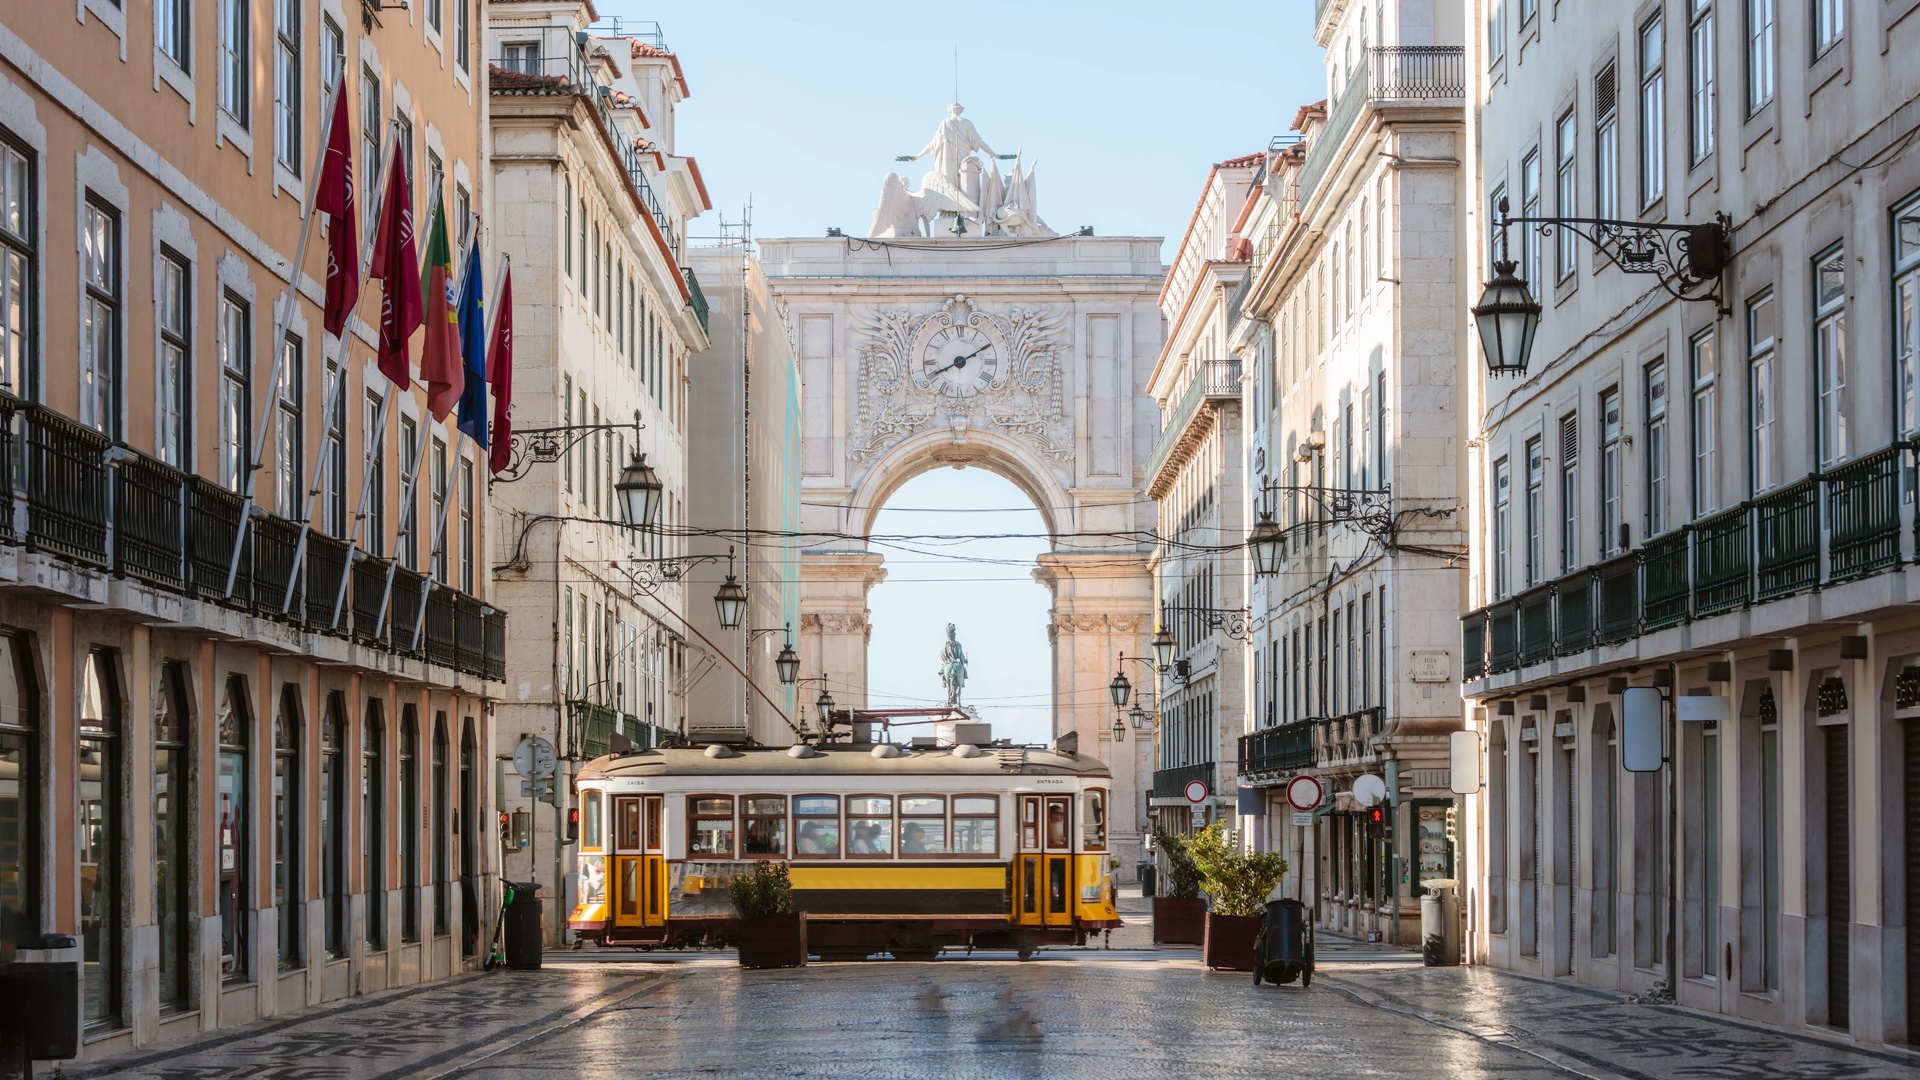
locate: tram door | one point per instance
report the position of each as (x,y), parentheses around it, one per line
(639,876)
(1043,876)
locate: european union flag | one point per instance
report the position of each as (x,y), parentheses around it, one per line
(472,315)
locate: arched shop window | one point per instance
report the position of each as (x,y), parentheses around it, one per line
(100,829)
(333,822)
(235,723)
(20,810)
(286,826)
(173,869)
(373,825)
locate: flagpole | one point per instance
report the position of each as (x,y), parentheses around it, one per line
(412,481)
(386,401)
(339,392)
(439,534)
(281,319)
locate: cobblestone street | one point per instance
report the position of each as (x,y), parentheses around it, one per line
(1093,1013)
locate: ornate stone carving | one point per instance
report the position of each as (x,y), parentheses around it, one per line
(1014,389)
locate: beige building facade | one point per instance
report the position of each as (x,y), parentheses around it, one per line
(1713,499)
(245,786)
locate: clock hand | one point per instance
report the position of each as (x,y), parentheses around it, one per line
(959,361)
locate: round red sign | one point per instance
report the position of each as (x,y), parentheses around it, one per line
(1304,793)
(1196,791)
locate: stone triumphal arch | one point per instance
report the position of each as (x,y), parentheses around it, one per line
(1005,347)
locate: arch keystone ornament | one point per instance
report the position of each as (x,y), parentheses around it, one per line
(1004,348)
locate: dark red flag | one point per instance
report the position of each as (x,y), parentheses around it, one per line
(336,200)
(396,265)
(500,374)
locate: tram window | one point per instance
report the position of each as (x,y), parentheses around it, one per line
(710,826)
(590,824)
(976,825)
(1030,824)
(923,825)
(816,825)
(1093,820)
(1056,823)
(764,826)
(869,825)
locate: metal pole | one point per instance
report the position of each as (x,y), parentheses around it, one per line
(439,532)
(280,321)
(334,393)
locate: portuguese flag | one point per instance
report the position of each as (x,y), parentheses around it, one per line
(440,352)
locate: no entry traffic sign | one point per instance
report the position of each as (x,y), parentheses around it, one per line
(1196,791)
(1304,793)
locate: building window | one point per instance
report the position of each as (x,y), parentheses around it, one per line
(1606,142)
(1564,195)
(1700,79)
(440,478)
(100,383)
(1604,838)
(288,114)
(1496,30)
(466,527)
(291,435)
(1906,311)
(409,825)
(1536,511)
(409,551)
(99,830)
(236,60)
(373,824)
(18,300)
(1612,466)
(1530,207)
(288,860)
(463,33)
(371,147)
(1653,112)
(373,464)
(442,811)
(1710,846)
(1829,23)
(236,394)
(1760,54)
(1830,353)
(173,870)
(1704,424)
(1502,492)
(173,31)
(403,145)
(434,12)
(231,817)
(334,47)
(1656,448)
(566,224)
(175,390)
(1366,250)
(1760,392)
(333,823)
(1569,492)
(335,453)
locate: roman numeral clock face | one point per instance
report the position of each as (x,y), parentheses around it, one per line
(959,362)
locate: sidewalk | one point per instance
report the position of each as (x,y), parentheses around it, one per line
(1585,1031)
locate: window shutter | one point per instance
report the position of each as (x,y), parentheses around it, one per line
(1569,438)
(1606,92)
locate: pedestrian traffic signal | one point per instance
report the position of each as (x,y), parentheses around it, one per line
(1376,816)
(573,825)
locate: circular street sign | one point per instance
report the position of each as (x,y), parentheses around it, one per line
(1304,793)
(1369,789)
(533,758)
(1196,791)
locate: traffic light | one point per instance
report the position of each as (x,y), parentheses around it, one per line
(1377,816)
(1399,784)
(1453,834)
(573,825)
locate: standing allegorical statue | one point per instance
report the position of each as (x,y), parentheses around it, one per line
(959,185)
(953,666)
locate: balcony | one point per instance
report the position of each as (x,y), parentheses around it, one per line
(1347,739)
(1214,380)
(1390,75)
(1825,529)
(1276,753)
(696,299)
(1172,783)
(591,727)
(80,498)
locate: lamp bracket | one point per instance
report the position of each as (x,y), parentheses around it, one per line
(648,575)
(1370,509)
(1235,622)
(544,445)
(1688,260)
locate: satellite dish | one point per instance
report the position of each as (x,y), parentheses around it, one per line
(1369,790)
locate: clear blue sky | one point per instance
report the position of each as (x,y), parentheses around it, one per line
(1124,106)
(802,107)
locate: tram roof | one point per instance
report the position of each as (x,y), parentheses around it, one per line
(843,759)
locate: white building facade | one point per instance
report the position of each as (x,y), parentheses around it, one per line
(593,205)
(1712,498)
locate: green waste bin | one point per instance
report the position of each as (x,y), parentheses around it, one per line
(523,930)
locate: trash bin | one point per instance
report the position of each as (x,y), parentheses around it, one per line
(1147,873)
(1284,949)
(523,931)
(1440,922)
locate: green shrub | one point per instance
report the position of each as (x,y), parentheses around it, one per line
(765,889)
(1238,882)
(1183,878)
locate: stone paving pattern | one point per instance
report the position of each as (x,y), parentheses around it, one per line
(1129,1011)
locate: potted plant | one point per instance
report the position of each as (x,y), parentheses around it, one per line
(772,934)
(1179,915)
(1239,883)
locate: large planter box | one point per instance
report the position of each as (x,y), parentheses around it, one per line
(1229,944)
(774,941)
(1179,922)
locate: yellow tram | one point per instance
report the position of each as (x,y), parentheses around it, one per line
(890,849)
